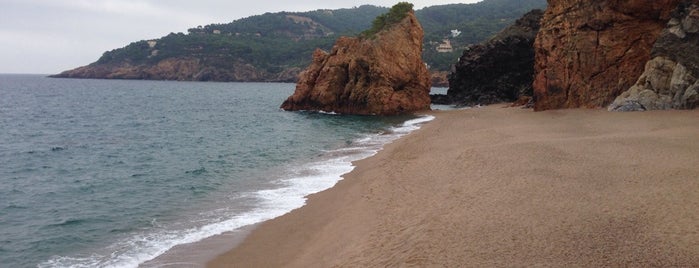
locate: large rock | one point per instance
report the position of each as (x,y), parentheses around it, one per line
(379,75)
(590,51)
(670,80)
(499,70)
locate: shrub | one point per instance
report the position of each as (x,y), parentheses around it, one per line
(384,21)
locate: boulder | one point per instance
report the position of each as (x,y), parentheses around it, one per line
(379,73)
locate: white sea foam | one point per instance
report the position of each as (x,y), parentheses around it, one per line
(412,125)
(291,194)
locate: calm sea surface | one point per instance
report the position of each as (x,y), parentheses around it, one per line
(111,173)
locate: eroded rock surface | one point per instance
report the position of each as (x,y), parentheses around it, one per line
(670,79)
(379,75)
(590,51)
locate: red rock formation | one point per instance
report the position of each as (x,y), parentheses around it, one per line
(671,78)
(440,79)
(590,51)
(379,75)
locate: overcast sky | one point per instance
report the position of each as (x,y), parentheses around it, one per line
(50,36)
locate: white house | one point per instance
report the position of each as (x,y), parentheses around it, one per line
(445,47)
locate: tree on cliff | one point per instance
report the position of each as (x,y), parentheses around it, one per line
(383,21)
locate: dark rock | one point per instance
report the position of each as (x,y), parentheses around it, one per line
(441,99)
(499,70)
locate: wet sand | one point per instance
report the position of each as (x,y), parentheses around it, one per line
(506,187)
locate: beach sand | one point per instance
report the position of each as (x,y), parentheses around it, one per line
(504,187)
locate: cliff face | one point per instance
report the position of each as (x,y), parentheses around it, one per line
(381,75)
(590,51)
(180,69)
(671,78)
(498,70)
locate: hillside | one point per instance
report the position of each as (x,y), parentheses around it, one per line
(276,46)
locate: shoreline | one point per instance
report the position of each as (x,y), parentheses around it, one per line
(502,186)
(298,182)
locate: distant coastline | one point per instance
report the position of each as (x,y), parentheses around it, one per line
(275,47)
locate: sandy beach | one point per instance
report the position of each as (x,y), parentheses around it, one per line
(504,187)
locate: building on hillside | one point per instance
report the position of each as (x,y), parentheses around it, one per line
(445,47)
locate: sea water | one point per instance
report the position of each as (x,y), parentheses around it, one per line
(113,173)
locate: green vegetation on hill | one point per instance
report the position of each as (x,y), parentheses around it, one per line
(273,42)
(221,51)
(476,22)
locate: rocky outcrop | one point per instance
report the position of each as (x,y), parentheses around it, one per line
(499,70)
(671,78)
(440,78)
(379,75)
(180,69)
(590,51)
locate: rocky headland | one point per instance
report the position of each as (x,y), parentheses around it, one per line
(379,73)
(499,70)
(180,69)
